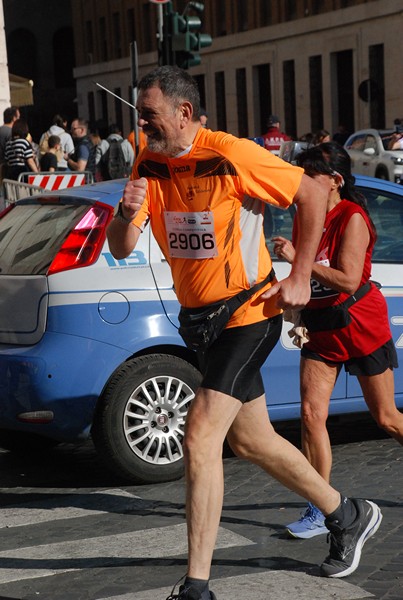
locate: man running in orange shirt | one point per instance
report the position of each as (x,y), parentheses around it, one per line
(199,189)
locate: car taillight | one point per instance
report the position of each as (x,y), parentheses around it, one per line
(6,210)
(84,244)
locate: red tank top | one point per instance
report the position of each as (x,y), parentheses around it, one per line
(369,328)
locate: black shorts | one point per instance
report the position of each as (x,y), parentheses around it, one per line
(375,363)
(232,364)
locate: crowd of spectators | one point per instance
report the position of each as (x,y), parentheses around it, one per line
(63,148)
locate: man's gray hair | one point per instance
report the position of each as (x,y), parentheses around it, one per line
(175,83)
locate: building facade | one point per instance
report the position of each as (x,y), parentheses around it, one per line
(4,80)
(40,49)
(315,63)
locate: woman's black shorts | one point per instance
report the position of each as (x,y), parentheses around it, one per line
(375,363)
(232,364)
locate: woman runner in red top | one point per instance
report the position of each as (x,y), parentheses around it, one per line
(359,339)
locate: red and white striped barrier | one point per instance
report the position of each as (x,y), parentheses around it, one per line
(59,181)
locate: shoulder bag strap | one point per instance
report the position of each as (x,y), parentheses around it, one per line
(239,299)
(364,289)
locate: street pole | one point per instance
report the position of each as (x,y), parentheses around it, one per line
(135,76)
(162,37)
(160,24)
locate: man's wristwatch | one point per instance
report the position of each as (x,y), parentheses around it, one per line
(119,215)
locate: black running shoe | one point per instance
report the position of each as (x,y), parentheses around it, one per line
(346,544)
(188,593)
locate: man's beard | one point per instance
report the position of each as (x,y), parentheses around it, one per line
(161,145)
(157,145)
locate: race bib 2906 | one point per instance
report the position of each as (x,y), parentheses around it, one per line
(190,234)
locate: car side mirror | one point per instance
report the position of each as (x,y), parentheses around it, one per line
(369,151)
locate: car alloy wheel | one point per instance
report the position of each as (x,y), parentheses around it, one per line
(139,423)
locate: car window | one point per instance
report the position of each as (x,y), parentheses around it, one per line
(386,137)
(386,211)
(277,221)
(31,234)
(289,151)
(370,142)
(357,143)
(386,141)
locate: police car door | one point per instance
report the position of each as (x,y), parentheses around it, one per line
(163,281)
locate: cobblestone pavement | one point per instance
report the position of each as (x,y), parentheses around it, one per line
(68,531)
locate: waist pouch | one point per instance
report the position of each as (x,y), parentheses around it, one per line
(332,317)
(200,327)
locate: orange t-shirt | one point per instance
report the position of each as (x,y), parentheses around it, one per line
(206,212)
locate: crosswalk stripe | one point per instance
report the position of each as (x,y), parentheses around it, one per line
(52,559)
(49,559)
(281,585)
(69,507)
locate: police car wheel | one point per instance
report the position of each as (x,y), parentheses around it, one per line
(139,423)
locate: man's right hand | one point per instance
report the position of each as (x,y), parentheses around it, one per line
(123,237)
(133,197)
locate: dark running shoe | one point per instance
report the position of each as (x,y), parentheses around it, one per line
(188,593)
(346,544)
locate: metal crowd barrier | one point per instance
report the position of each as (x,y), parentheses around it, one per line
(31,183)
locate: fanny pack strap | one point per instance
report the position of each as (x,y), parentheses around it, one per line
(240,298)
(364,289)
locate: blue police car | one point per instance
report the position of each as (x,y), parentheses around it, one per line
(89,344)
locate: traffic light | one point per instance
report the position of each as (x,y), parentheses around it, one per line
(187,41)
(181,40)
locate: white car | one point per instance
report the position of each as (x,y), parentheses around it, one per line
(368,150)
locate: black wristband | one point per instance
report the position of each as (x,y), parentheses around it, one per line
(119,215)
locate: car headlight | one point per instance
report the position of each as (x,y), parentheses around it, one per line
(397,160)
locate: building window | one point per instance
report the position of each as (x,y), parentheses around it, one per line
(220,101)
(242,15)
(149,33)
(131,25)
(202,89)
(265,13)
(242,103)
(132,112)
(377,76)
(290,112)
(89,41)
(263,94)
(118,109)
(103,105)
(117,35)
(91,109)
(318,6)
(316,92)
(22,54)
(290,10)
(63,60)
(102,39)
(221,18)
(343,88)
